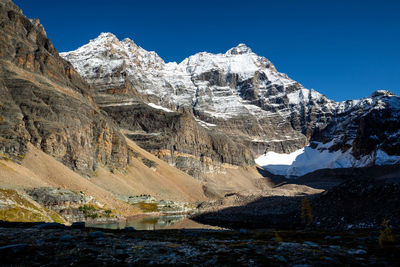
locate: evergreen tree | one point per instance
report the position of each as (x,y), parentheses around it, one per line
(306,212)
(386,235)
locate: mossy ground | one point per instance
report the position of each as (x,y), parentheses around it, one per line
(20,214)
(147,207)
(14,158)
(4,157)
(16,207)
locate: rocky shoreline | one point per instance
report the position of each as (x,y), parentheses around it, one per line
(44,244)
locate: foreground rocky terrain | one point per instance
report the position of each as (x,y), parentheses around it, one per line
(54,245)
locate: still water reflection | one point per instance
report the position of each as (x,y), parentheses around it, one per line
(155,223)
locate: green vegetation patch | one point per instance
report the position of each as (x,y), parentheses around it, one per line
(153,221)
(8,195)
(14,158)
(20,214)
(4,157)
(94,212)
(386,236)
(21,157)
(16,208)
(148,207)
(90,211)
(55,217)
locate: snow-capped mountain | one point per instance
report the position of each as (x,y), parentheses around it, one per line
(243,96)
(360,133)
(221,89)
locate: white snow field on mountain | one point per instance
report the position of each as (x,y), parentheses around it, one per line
(307,160)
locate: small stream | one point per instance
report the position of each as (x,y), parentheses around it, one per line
(150,222)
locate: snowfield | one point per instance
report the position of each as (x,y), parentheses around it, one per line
(307,160)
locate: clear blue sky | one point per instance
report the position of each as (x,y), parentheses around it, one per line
(343,49)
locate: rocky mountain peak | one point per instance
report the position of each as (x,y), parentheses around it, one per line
(128,42)
(39,26)
(239,50)
(109,41)
(107,53)
(238,60)
(105,36)
(379,93)
(10,5)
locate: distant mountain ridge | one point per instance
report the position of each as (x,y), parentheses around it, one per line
(241,95)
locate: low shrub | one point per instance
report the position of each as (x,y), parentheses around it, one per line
(89,211)
(148,207)
(386,236)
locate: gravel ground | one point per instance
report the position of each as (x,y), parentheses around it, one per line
(52,244)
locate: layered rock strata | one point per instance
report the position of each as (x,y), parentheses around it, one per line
(44,101)
(238,95)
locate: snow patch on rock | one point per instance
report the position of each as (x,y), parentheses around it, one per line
(159,107)
(309,159)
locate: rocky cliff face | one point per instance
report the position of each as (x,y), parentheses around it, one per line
(71,206)
(44,101)
(178,139)
(174,135)
(238,94)
(365,125)
(242,96)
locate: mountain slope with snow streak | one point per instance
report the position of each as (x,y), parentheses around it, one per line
(243,96)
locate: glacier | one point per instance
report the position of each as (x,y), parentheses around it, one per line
(307,160)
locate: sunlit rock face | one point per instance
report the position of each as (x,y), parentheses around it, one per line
(44,101)
(236,94)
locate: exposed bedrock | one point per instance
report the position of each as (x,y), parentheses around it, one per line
(237,94)
(178,139)
(45,101)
